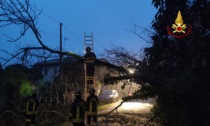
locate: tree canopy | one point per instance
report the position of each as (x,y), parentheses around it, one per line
(176,70)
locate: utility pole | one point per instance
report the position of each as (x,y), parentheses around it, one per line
(61,59)
(61,56)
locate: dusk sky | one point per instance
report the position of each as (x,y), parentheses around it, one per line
(109,20)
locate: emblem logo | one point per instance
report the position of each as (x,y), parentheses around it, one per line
(179,27)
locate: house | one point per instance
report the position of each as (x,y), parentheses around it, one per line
(50,69)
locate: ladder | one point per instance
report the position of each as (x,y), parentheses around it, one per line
(88,42)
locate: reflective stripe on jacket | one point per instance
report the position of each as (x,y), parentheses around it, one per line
(92,105)
(31,107)
(90,57)
(79,115)
(78,111)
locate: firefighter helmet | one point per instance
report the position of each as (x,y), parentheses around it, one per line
(91,90)
(77,92)
(88,49)
(34,93)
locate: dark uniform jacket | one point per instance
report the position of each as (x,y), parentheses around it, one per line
(31,104)
(92,104)
(78,111)
(89,59)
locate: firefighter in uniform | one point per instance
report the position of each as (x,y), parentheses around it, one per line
(77,112)
(92,107)
(89,59)
(31,105)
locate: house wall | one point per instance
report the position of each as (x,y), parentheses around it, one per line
(49,73)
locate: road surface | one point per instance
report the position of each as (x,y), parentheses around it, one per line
(133,113)
(138,106)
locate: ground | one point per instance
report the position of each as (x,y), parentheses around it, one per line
(132,113)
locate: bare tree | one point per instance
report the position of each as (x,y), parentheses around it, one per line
(121,56)
(24,14)
(142,32)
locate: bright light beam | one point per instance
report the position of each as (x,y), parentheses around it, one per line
(136,107)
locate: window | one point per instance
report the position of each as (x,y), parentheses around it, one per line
(45,72)
(55,70)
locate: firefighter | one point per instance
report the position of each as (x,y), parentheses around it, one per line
(92,103)
(89,59)
(77,114)
(31,105)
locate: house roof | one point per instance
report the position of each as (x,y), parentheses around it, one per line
(54,62)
